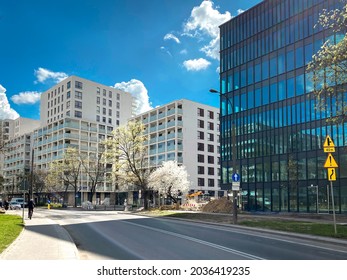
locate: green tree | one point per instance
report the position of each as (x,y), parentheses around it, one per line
(94,167)
(128,154)
(328,68)
(65,174)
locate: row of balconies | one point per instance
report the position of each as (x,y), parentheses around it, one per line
(154,161)
(75,136)
(165,149)
(70,124)
(165,137)
(161,115)
(164,126)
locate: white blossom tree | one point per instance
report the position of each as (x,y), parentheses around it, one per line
(170,179)
(328,68)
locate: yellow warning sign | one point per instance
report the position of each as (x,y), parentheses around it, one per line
(330,162)
(331,174)
(328,146)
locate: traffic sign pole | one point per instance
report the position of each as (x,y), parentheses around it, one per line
(331,164)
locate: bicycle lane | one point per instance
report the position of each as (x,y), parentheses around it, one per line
(41,239)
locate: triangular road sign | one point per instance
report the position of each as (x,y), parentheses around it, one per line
(330,162)
(328,143)
(328,146)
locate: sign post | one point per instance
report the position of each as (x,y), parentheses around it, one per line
(235,188)
(331,164)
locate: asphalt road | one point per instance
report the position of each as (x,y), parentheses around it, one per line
(108,235)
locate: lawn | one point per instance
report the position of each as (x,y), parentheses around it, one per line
(314,228)
(321,229)
(10,228)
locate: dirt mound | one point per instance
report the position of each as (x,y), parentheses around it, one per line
(221,205)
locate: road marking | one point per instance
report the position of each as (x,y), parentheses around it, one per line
(243,231)
(223,248)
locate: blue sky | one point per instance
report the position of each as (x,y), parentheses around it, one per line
(158,50)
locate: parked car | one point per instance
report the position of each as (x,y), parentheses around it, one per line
(19,200)
(15,205)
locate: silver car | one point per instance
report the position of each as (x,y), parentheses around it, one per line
(15,205)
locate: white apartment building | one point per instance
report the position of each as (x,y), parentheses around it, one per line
(17,158)
(79,113)
(187,132)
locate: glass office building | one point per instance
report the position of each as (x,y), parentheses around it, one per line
(271,133)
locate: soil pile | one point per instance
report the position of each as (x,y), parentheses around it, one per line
(221,205)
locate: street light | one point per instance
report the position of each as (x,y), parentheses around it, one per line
(315,187)
(233,150)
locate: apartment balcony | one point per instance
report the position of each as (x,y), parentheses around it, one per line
(161,115)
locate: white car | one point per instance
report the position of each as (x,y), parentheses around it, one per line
(14,205)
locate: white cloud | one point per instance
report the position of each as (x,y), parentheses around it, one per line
(43,74)
(138,90)
(6,112)
(184,51)
(240,11)
(166,50)
(196,64)
(27,97)
(170,36)
(205,20)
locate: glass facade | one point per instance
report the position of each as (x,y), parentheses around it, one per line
(268,116)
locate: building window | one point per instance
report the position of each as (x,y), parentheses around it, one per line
(98,100)
(98,91)
(67,104)
(78,85)
(109,120)
(201,182)
(210,159)
(201,170)
(210,148)
(104,119)
(68,94)
(104,101)
(211,115)
(210,171)
(78,104)
(210,182)
(110,103)
(201,158)
(201,124)
(68,85)
(210,137)
(104,92)
(200,112)
(110,94)
(78,114)
(97,118)
(110,112)
(201,135)
(98,109)
(104,111)
(201,147)
(78,94)
(210,125)
(118,96)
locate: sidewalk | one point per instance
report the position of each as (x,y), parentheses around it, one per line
(41,239)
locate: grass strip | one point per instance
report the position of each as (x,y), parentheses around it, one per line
(320,229)
(11,227)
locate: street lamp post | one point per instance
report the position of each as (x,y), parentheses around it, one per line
(315,187)
(233,150)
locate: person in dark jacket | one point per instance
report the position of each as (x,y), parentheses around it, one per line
(31,206)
